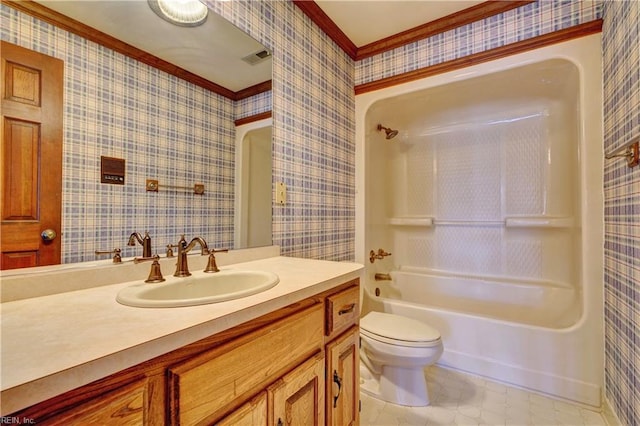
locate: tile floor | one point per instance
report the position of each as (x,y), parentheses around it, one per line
(464,399)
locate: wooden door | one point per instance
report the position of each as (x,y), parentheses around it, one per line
(343,380)
(31,158)
(298,397)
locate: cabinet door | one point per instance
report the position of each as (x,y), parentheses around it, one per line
(343,379)
(203,388)
(298,397)
(252,413)
(123,406)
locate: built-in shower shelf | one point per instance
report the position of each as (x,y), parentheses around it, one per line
(411,221)
(539,222)
(509,222)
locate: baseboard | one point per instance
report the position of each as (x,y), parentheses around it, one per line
(557,386)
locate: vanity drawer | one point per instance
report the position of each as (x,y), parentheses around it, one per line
(342,310)
(124,406)
(208,385)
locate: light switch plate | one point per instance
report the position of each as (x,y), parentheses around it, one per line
(281,193)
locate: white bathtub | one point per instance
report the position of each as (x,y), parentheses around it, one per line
(538,303)
(549,360)
(509,271)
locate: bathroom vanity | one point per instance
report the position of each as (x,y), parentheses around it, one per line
(288,355)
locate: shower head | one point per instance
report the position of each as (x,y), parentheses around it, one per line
(390,134)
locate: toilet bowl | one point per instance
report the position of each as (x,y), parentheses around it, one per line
(395,350)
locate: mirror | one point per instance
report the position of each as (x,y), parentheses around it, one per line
(253,184)
(163,127)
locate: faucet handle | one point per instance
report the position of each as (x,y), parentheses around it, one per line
(143,259)
(117,258)
(211,264)
(170,248)
(155,274)
(381,254)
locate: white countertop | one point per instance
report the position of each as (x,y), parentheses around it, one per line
(58,342)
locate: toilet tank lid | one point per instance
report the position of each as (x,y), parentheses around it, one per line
(398,327)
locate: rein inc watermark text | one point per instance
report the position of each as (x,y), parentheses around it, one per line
(14,420)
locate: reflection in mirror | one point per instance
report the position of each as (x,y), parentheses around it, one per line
(164,127)
(215,50)
(253,184)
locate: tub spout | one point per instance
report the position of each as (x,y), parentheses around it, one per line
(382,277)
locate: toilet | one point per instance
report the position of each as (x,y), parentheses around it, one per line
(395,350)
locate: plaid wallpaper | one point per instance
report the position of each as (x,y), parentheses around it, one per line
(253,105)
(519,24)
(621,45)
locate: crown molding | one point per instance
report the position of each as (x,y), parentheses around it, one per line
(253,118)
(446,23)
(317,15)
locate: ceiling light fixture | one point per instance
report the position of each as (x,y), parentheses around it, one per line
(184,13)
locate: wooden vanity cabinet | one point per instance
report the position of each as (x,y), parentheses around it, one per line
(343,357)
(295,366)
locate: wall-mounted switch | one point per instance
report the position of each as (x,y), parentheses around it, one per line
(281,193)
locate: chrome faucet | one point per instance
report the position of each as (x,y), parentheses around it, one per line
(145,242)
(182,268)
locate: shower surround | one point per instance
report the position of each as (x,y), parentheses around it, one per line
(490,200)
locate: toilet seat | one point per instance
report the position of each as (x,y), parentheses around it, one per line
(398,330)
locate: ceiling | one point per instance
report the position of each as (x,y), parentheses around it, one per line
(213,50)
(366,21)
(132,21)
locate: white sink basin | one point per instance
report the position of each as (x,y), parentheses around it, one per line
(199,289)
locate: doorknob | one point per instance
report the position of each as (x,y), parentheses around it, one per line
(48,235)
